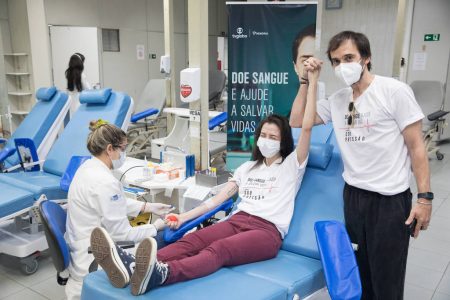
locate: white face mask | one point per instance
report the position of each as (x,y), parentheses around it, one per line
(117,163)
(349,73)
(268,147)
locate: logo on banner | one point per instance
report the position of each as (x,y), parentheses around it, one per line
(239,34)
(185,90)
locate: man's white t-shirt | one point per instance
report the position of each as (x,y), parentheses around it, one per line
(373,149)
(269,192)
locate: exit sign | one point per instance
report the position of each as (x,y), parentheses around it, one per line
(431,37)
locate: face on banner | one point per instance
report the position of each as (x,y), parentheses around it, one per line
(304,51)
(263,42)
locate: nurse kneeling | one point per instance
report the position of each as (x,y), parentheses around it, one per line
(96,199)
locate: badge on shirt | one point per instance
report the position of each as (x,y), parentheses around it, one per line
(115,197)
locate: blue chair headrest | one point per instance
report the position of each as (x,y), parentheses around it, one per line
(45,94)
(95,96)
(320,155)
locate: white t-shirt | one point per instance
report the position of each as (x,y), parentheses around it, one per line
(269,192)
(373,150)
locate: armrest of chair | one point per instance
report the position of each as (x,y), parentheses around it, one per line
(437,115)
(171,236)
(3,141)
(217,120)
(338,260)
(143,114)
(5,153)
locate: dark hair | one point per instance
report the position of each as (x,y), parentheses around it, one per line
(286,143)
(73,72)
(360,40)
(307,31)
(102,134)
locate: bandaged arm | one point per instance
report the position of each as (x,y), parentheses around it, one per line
(226,193)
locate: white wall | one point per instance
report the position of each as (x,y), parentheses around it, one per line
(376,19)
(39,43)
(431,16)
(141,22)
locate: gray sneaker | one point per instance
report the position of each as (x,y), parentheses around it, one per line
(149,272)
(117,263)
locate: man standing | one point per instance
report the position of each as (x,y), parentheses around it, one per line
(377,122)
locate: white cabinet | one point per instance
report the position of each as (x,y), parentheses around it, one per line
(18,84)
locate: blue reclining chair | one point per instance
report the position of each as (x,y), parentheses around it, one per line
(146,121)
(25,188)
(295,273)
(111,106)
(41,125)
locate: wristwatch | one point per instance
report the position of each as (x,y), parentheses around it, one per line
(427,195)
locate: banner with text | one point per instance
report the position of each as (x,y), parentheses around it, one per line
(261,75)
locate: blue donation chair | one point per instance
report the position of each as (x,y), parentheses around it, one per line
(26,189)
(295,273)
(41,125)
(147,122)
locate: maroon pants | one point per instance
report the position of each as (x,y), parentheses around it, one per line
(240,240)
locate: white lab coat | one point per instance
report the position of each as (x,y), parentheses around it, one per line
(96,199)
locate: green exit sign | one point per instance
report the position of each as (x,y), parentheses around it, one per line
(431,37)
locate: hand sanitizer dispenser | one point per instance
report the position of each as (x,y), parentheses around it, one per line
(165,64)
(190,84)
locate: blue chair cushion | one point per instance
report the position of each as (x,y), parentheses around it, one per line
(37,183)
(222,285)
(45,94)
(95,96)
(320,134)
(320,155)
(298,274)
(54,219)
(72,142)
(37,123)
(13,199)
(319,198)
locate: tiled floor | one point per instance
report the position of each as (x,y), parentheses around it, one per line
(428,270)
(41,285)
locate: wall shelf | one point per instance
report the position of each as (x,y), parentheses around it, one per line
(15,54)
(17,73)
(19,112)
(19,87)
(20,93)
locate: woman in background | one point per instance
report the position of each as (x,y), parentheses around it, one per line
(76,80)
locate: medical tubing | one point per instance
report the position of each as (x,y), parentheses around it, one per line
(121,177)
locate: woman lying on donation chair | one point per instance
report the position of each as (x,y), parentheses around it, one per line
(267,187)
